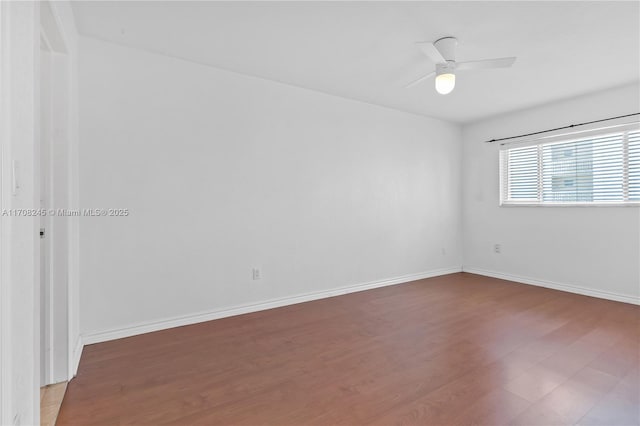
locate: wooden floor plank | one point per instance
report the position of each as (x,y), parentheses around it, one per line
(51,397)
(458,349)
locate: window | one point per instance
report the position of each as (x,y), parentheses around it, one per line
(601,167)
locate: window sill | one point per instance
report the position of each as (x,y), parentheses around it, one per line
(507,204)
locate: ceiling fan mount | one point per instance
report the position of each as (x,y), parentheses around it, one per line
(443,53)
(447,47)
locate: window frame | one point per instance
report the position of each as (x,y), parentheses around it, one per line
(556,139)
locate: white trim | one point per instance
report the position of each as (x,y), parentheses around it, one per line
(634,300)
(75,357)
(568,204)
(60,24)
(45,144)
(68,34)
(148,327)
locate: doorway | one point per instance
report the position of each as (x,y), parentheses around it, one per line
(54,185)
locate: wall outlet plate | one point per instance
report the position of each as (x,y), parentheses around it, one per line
(256,274)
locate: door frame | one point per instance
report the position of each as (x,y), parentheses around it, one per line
(54,334)
(5,389)
(62,235)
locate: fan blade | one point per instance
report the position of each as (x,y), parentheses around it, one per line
(432,52)
(420,80)
(485,64)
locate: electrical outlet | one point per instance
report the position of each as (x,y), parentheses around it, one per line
(444,251)
(497,248)
(256,273)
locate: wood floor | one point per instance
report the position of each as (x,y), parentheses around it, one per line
(50,400)
(454,350)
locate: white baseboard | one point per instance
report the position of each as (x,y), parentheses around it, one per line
(147,327)
(556,286)
(75,360)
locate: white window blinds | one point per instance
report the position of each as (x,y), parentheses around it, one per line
(633,143)
(602,168)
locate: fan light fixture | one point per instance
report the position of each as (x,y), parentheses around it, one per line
(445,78)
(442,53)
(445,83)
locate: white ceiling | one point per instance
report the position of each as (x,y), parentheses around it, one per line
(366,51)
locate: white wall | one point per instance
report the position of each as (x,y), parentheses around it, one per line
(223,172)
(596,249)
(19,34)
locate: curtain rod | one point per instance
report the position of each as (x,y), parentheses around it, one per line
(561,128)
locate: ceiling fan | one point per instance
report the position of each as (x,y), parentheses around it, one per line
(443,53)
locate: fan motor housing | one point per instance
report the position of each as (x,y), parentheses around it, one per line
(447,47)
(447,68)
